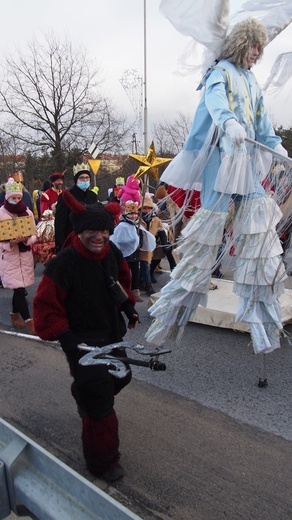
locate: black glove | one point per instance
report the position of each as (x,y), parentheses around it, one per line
(131,314)
(69,341)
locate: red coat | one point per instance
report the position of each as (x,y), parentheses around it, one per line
(178,196)
(48,198)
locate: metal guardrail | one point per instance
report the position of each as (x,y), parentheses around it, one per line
(35,483)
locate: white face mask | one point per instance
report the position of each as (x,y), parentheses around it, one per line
(13,201)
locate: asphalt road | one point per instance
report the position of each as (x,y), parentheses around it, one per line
(198,441)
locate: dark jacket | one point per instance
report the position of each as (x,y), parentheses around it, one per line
(74,303)
(63,224)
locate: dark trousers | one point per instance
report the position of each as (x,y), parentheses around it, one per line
(94,389)
(19,303)
(135,270)
(167,248)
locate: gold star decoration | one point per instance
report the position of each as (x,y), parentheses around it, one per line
(149,163)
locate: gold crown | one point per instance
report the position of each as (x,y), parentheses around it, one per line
(17,176)
(13,186)
(120,180)
(81,167)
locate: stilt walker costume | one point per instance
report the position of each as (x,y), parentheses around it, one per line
(231,171)
(74,304)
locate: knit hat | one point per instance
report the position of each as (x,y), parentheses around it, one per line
(94,216)
(80,168)
(56,175)
(131,207)
(120,181)
(148,202)
(13,188)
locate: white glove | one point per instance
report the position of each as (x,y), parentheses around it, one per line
(281,150)
(235,131)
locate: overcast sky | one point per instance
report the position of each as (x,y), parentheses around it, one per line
(112,31)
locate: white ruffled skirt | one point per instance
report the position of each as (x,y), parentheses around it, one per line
(258,279)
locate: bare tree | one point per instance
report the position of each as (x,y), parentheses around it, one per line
(170,137)
(52,102)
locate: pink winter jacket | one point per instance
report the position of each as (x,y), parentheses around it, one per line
(130,191)
(16,269)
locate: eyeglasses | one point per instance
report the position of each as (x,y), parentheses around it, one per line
(81,178)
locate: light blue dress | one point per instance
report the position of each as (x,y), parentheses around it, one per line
(230,177)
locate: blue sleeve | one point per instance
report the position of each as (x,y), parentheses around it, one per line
(264,131)
(216,99)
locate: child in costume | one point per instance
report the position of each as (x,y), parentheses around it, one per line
(16,257)
(131,191)
(126,238)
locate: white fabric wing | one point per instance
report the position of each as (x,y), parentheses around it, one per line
(281,72)
(208,27)
(274,15)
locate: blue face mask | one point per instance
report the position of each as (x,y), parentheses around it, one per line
(83,185)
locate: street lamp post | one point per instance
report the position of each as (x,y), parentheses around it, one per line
(145,86)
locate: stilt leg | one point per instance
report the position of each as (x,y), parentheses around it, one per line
(263,380)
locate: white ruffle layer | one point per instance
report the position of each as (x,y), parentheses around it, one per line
(257,216)
(205,227)
(259,275)
(190,164)
(183,162)
(172,312)
(256,246)
(190,280)
(230,178)
(265,324)
(260,271)
(235,174)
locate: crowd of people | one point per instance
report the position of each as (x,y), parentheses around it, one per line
(89,250)
(101,257)
(140,234)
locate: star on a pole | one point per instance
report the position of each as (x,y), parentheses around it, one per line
(149,162)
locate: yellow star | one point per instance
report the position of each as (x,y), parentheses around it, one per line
(150,162)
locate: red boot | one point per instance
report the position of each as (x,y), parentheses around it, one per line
(100,440)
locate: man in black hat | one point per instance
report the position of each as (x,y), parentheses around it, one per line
(81,191)
(50,196)
(75,304)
